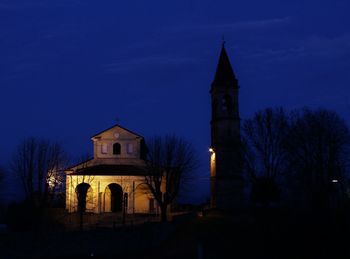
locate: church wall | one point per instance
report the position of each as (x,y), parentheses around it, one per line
(144,202)
(98,200)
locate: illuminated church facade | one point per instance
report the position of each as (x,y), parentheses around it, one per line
(113,180)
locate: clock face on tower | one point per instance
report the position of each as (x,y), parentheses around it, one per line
(116,135)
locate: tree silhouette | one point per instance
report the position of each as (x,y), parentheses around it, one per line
(318,150)
(170,162)
(39,165)
(263,139)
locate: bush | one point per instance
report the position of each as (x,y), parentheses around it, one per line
(22,216)
(264,191)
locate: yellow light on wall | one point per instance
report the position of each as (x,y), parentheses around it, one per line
(212,162)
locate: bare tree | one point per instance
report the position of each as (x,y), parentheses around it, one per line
(318,150)
(170,161)
(263,149)
(39,165)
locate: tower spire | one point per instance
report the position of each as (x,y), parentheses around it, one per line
(224,72)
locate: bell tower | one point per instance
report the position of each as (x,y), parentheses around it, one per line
(225,157)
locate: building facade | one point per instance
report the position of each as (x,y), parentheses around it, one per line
(226,158)
(113,180)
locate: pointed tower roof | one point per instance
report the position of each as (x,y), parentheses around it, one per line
(224,73)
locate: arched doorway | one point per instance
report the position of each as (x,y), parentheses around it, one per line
(84,194)
(113,198)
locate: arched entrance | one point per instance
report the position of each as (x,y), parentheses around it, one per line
(113,199)
(84,193)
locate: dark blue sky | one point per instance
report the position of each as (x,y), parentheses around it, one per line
(69,68)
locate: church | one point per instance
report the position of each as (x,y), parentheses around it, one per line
(114,179)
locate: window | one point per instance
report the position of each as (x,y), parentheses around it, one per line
(116,149)
(226,103)
(104,148)
(130,148)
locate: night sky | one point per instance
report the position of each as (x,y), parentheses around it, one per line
(72,68)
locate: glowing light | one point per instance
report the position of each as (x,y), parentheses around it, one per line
(52,181)
(334,181)
(212,162)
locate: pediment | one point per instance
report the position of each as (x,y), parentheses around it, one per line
(116,132)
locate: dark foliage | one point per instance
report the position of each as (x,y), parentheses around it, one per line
(25,216)
(264,155)
(306,150)
(265,190)
(318,146)
(22,216)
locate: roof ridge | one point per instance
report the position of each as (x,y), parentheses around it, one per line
(117,125)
